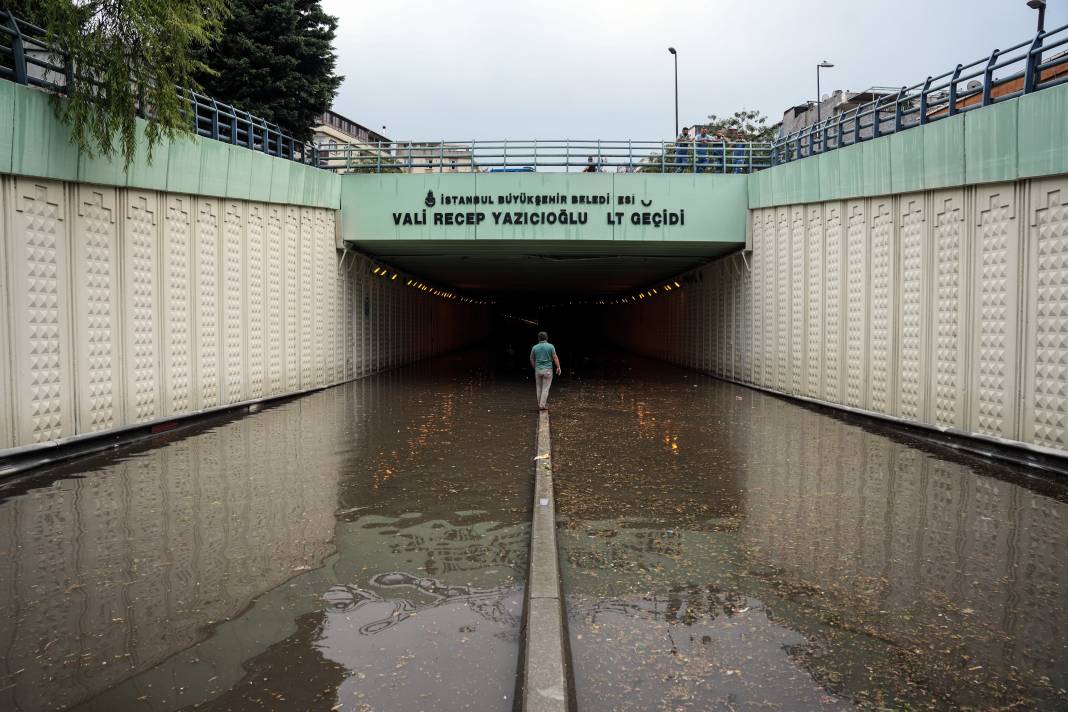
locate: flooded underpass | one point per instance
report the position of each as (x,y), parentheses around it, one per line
(722,548)
(365,547)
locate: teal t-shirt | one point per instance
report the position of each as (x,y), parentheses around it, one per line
(543,354)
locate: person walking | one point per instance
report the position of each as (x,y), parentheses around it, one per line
(543,359)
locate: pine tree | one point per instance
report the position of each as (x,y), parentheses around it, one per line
(128,58)
(275,59)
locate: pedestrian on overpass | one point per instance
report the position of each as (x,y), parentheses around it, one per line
(683,145)
(543,359)
(701,142)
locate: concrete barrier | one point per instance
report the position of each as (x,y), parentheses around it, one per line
(545,687)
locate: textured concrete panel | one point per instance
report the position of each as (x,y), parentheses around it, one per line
(1045,417)
(856,314)
(881,336)
(38,251)
(814,304)
(97,312)
(307,295)
(761,313)
(207,306)
(293,302)
(7,401)
(783,302)
(949,274)
(234,285)
(796,297)
(140,266)
(913,281)
(274,289)
(255,300)
(324,292)
(833,302)
(176,287)
(996,308)
(126,306)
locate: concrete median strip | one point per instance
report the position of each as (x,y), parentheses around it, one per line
(545,687)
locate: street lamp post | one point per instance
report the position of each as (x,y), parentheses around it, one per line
(822,65)
(1039,5)
(676,56)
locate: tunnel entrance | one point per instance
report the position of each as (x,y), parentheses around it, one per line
(544,247)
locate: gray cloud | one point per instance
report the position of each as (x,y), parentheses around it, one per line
(591,69)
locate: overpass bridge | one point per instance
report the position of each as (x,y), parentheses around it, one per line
(856,307)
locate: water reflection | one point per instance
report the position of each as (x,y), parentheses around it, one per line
(106,575)
(364,545)
(747,552)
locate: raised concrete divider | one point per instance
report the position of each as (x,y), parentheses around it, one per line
(545,687)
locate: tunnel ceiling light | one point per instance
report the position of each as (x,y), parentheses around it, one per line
(678,285)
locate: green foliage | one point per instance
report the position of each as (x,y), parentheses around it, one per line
(749,125)
(275,59)
(128,58)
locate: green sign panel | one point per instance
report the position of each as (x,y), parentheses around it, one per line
(544,206)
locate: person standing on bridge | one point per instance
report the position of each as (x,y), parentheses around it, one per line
(543,359)
(701,142)
(683,145)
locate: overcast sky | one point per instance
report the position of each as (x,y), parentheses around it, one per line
(493,69)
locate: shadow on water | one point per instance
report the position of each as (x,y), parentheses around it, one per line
(363,547)
(722,547)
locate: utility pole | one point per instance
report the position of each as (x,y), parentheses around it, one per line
(822,65)
(676,56)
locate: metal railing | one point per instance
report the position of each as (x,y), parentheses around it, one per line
(1029,66)
(27,58)
(506,156)
(1005,74)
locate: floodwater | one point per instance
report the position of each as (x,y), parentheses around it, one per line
(365,548)
(726,549)
(360,548)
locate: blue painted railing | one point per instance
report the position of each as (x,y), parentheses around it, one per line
(1026,67)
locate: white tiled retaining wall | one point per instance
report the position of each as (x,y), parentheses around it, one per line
(947,308)
(121,307)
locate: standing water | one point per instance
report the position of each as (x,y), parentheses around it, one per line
(363,547)
(726,549)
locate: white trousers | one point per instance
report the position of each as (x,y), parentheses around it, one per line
(543,378)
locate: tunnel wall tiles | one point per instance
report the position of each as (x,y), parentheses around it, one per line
(122,306)
(947,308)
(1025,137)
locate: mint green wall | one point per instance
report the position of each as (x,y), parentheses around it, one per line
(33,142)
(1019,138)
(715,205)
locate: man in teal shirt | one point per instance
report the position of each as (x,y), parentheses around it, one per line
(542,359)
